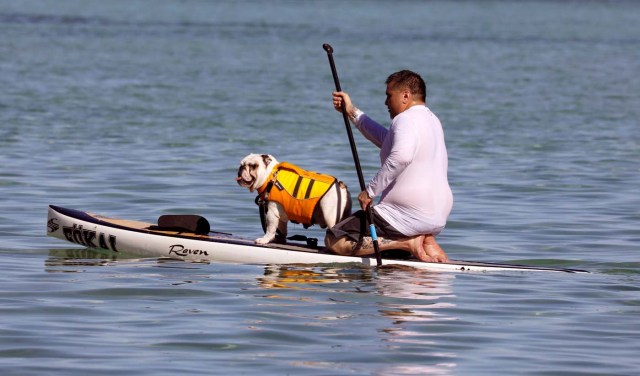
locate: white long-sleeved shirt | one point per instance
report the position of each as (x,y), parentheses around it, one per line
(412,183)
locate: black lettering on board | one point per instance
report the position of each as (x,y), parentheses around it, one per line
(180,250)
(77,234)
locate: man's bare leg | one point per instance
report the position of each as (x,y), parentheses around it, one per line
(422,247)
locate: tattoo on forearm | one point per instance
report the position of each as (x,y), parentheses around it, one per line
(384,241)
(367,243)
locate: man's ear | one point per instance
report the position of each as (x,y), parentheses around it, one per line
(407,97)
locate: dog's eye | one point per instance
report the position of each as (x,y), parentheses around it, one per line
(253,165)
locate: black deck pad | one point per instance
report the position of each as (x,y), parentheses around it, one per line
(184,223)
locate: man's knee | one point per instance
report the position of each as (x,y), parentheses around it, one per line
(342,246)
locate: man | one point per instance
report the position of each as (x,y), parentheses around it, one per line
(415,197)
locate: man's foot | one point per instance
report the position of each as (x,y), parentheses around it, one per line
(432,250)
(422,247)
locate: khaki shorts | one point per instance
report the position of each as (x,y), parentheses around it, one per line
(358,223)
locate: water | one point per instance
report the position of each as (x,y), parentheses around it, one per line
(136,109)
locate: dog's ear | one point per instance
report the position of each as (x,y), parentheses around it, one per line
(266,158)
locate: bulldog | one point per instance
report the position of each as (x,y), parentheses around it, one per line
(289,193)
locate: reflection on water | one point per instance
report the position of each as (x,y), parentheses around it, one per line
(67,260)
(304,277)
(411,283)
(422,301)
(411,302)
(395,281)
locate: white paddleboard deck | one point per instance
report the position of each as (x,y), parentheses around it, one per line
(144,239)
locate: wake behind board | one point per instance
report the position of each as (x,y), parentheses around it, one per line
(148,240)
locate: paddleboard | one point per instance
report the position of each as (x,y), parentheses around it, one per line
(149,240)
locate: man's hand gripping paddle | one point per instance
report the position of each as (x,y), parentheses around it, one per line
(354,151)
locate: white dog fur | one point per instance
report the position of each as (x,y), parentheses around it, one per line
(256,168)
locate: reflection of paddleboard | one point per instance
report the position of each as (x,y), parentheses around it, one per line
(149,240)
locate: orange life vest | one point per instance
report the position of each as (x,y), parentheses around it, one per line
(297,190)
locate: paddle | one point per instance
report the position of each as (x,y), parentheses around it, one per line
(354,151)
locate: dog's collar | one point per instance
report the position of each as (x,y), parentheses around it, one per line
(268,183)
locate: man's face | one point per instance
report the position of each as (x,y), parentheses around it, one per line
(395,101)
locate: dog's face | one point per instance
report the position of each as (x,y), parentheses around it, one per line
(254,169)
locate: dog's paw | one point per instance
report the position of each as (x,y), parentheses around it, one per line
(263,240)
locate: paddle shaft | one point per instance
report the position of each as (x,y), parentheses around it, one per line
(354,152)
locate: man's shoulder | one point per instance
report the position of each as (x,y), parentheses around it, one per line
(412,113)
(415,110)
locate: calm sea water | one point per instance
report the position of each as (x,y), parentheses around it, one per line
(137,109)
